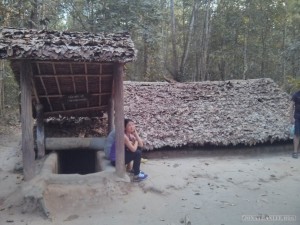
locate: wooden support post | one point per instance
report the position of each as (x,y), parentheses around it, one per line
(27,121)
(110,115)
(119,119)
(40,131)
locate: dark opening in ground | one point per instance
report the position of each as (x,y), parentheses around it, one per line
(80,161)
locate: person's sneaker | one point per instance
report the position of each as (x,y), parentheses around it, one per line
(140,177)
(295,155)
(132,171)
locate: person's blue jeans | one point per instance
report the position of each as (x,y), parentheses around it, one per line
(136,158)
(132,156)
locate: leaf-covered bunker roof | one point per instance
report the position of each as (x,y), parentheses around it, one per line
(72,72)
(74,46)
(217,113)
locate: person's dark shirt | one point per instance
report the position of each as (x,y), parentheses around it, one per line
(296,99)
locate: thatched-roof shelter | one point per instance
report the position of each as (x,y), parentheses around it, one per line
(72,71)
(66,46)
(67,73)
(218,113)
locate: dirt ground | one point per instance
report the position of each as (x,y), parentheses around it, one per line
(206,187)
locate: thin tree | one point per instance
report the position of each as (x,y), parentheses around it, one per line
(203,59)
(187,45)
(174,70)
(33,21)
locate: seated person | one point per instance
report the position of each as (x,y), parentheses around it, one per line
(133,143)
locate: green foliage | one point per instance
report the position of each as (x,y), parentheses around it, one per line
(293,84)
(10,86)
(246,38)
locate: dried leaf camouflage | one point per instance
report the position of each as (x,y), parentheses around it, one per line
(220,113)
(56,45)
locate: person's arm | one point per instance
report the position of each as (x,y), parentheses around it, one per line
(139,140)
(132,147)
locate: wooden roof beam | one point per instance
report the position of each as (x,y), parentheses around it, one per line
(58,85)
(102,108)
(58,96)
(44,87)
(77,75)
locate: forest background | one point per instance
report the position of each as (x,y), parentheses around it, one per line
(185,40)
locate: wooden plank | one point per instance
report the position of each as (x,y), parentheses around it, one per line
(75,62)
(59,91)
(87,84)
(87,88)
(74,85)
(45,89)
(43,84)
(27,121)
(86,81)
(58,96)
(40,131)
(71,68)
(53,67)
(34,91)
(104,108)
(77,75)
(85,68)
(119,119)
(71,143)
(58,85)
(38,67)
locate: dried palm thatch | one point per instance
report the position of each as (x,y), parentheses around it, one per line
(219,113)
(67,46)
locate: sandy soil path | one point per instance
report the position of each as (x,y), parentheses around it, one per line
(217,188)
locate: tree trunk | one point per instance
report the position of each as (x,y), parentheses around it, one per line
(221,66)
(263,55)
(175,72)
(92,17)
(33,23)
(204,45)
(188,40)
(283,60)
(245,54)
(145,68)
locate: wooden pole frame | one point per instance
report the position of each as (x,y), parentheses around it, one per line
(110,115)
(119,118)
(27,120)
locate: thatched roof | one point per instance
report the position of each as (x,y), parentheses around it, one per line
(66,46)
(72,71)
(219,113)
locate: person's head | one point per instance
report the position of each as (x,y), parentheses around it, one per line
(129,126)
